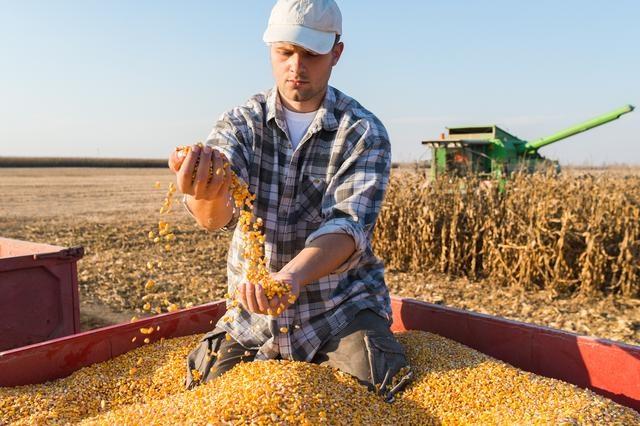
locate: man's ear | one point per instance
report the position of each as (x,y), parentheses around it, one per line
(336,52)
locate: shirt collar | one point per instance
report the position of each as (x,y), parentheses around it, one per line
(325,116)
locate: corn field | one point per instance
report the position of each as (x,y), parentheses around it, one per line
(570,233)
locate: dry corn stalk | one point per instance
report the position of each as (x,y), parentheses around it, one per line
(569,233)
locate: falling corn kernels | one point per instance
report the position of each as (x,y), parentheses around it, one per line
(146,330)
(146,340)
(252,237)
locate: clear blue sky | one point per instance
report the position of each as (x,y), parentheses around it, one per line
(135,78)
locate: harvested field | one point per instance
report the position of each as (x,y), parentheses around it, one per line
(111,211)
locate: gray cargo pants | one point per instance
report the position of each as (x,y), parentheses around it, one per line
(366,349)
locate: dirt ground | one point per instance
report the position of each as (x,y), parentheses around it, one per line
(111,211)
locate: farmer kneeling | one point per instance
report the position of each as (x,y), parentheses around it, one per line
(318,163)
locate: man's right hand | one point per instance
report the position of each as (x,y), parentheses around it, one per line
(199,187)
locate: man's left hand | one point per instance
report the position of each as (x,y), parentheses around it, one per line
(254,300)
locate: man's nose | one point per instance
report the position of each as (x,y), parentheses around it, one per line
(296,63)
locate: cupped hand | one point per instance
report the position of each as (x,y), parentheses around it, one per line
(253,298)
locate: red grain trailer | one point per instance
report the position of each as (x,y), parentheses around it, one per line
(38,292)
(608,368)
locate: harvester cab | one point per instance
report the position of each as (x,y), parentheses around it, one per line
(489,151)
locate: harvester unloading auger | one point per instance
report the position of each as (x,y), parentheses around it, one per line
(491,151)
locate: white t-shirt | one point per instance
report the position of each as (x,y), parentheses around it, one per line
(298,123)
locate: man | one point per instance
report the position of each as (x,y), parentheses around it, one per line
(318,163)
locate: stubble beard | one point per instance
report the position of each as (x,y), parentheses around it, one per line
(300,95)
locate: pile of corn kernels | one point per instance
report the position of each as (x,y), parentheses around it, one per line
(453,385)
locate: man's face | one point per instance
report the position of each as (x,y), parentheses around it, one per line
(302,76)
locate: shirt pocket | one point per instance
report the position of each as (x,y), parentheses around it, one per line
(310,195)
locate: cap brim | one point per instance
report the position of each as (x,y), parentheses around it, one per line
(316,41)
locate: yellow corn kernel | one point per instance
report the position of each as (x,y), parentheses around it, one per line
(149,285)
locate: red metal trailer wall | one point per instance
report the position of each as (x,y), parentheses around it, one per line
(38,292)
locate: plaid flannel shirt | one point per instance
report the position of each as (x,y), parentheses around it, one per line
(333,182)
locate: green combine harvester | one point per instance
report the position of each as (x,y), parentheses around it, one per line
(492,152)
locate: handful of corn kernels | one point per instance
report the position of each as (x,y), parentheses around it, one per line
(252,235)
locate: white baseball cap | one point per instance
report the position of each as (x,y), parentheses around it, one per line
(312,24)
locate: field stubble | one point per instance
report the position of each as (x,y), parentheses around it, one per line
(111,211)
